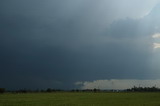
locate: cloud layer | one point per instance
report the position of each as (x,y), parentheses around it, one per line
(117,84)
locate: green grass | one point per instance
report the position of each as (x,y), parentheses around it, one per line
(80,99)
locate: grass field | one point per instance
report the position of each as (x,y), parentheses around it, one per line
(80,99)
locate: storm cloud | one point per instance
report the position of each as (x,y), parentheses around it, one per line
(55,43)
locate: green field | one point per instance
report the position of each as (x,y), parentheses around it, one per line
(80,99)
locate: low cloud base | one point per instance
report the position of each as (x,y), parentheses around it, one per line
(117,83)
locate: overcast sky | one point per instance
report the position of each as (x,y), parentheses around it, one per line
(57,43)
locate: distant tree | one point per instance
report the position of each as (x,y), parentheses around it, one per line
(144,89)
(42,90)
(22,91)
(94,90)
(2,90)
(77,90)
(73,90)
(49,90)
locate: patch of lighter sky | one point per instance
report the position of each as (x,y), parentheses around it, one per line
(156,45)
(157,35)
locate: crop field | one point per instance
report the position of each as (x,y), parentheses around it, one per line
(80,99)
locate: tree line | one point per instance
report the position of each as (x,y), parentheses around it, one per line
(48,90)
(144,89)
(3,90)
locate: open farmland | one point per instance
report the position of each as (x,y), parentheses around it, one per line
(80,99)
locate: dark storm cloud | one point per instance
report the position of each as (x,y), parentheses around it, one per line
(55,43)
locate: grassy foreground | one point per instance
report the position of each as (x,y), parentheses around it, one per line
(80,99)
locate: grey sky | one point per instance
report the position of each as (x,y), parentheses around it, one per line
(55,43)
